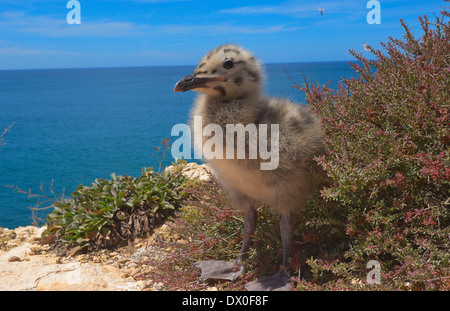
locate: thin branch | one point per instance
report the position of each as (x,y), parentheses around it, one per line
(6,130)
(296,84)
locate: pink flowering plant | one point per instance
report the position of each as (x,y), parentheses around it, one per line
(388,191)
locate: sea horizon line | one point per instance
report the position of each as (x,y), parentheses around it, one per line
(165,66)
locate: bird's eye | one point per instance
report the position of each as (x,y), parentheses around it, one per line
(228,64)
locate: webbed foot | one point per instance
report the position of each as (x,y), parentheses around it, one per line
(277,282)
(220,270)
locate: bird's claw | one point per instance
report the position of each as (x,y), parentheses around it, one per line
(220,270)
(277,282)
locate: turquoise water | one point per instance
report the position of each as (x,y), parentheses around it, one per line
(74,125)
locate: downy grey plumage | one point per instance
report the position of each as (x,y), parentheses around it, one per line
(230,79)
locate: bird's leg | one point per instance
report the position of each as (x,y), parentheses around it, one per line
(226,270)
(280,280)
(287,233)
(250,218)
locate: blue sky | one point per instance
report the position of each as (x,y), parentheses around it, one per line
(35,33)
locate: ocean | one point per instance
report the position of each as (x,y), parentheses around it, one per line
(72,126)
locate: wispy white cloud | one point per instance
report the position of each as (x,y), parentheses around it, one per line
(256,29)
(88,29)
(219,29)
(155,53)
(17,50)
(57,27)
(46,26)
(295,8)
(157,1)
(282,9)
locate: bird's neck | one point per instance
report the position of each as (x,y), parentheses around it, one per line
(244,110)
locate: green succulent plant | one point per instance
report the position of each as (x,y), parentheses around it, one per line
(115,209)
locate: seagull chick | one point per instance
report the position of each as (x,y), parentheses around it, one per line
(230,79)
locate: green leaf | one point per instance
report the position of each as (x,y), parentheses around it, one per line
(105,231)
(114,191)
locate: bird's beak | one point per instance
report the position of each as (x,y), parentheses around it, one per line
(193,82)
